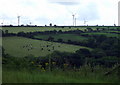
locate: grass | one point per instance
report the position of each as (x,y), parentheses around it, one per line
(20,47)
(0,41)
(65,37)
(34,29)
(102,33)
(113,31)
(57,76)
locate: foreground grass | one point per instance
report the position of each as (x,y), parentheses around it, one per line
(56,76)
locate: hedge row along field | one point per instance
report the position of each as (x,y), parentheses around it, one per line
(20,47)
(103,33)
(33,29)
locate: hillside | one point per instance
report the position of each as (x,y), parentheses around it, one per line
(20,47)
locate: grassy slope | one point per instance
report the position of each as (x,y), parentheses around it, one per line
(102,33)
(14,46)
(33,29)
(65,37)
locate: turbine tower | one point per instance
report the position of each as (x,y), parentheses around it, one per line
(85,21)
(18,20)
(73,19)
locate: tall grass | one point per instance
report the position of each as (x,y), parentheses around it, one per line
(82,75)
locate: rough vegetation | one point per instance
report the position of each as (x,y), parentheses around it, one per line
(59,55)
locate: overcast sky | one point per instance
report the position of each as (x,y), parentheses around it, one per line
(59,12)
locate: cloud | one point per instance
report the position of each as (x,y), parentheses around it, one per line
(60,12)
(65,2)
(68,3)
(89,12)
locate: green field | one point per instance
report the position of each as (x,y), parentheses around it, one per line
(34,29)
(113,31)
(64,37)
(19,46)
(102,33)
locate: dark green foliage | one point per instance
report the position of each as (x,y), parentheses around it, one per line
(60,40)
(69,42)
(6,31)
(98,53)
(50,38)
(50,24)
(17,62)
(89,29)
(84,52)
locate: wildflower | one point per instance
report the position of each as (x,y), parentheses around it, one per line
(53,63)
(46,64)
(65,64)
(32,62)
(43,70)
(39,65)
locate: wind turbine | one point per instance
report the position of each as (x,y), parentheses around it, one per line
(75,21)
(114,23)
(2,22)
(85,21)
(18,20)
(73,14)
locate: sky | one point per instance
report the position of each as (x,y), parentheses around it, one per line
(59,12)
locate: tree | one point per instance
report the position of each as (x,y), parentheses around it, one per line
(55,25)
(21,34)
(50,24)
(6,32)
(69,41)
(89,29)
(54,31)
(60,31)
(60,40)
(84,52)
(50,38)
(98,53)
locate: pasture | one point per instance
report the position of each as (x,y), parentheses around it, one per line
(64,37)
(34,29)
(103,33)
(20,47)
